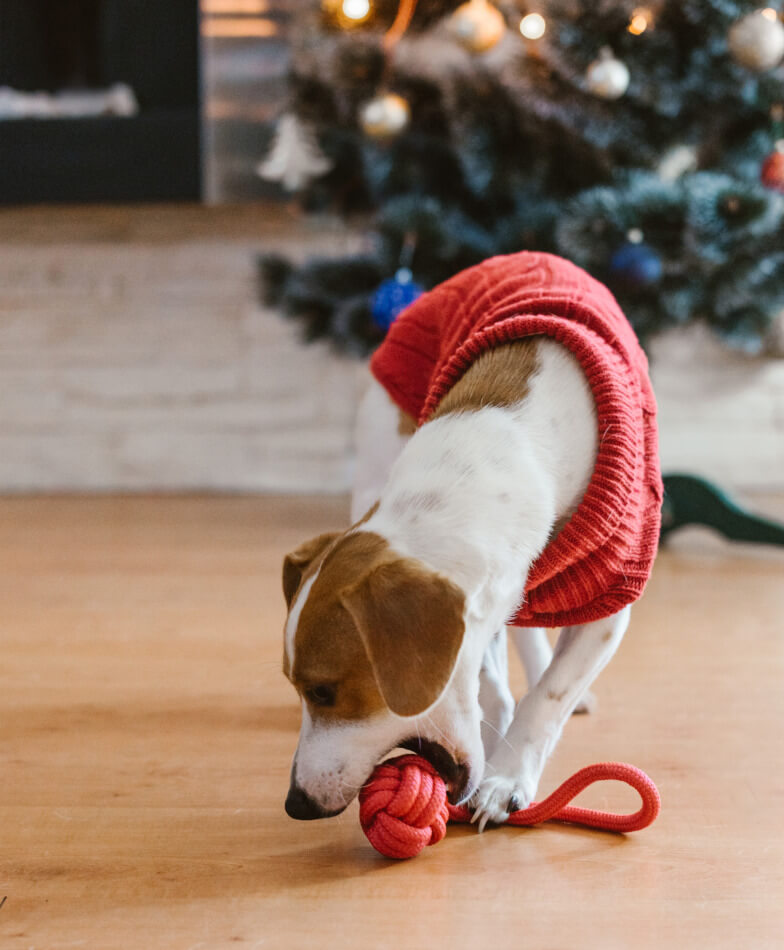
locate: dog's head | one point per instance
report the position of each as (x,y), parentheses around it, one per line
(373,647)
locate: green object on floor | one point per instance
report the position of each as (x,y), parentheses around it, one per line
(689,500)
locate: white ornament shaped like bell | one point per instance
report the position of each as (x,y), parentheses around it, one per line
(607,77)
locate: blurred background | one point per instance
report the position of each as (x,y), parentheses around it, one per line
(211,214)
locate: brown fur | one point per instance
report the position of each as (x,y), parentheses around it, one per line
(327,645)
(298,566)
(381,628)
(303,561)
(411,622)
(367,515)
(499,377)
(406,424)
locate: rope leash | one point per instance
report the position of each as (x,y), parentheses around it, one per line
(404,808)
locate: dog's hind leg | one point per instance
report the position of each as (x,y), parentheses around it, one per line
(495,697)
(380,434)
(516,765)
(534,651)
(536,654)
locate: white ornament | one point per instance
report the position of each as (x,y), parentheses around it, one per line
(757,40)
(385,116)
(607,77)
(677,161)
(295,158)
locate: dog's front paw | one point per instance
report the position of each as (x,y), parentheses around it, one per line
(498,796)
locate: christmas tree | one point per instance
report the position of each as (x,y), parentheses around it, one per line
(644,143)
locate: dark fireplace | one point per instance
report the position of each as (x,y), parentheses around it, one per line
(99,100)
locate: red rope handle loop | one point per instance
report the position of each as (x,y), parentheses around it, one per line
(556,806)
(403,808)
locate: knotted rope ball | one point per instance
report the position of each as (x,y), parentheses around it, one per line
(404,808)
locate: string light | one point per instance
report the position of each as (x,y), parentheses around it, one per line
(532,26)
(355,10)
(640,21)
(770,14)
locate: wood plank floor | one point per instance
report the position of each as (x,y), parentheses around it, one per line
(146,734)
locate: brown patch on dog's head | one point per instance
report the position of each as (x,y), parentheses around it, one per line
(303,562)
(377,630)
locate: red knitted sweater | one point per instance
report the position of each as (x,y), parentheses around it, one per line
(601,559)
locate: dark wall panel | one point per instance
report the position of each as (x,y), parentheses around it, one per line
(153,46)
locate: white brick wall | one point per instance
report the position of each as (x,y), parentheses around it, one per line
(133,356)
(721,414)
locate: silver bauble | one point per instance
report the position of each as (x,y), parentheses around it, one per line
(756,40)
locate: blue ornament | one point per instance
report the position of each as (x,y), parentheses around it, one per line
(636,265)
(392,296)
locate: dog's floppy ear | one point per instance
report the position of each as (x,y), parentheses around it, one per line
(296,563)
(411,623)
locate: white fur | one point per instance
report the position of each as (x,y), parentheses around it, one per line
(476,497)
(495,698)
(535,651)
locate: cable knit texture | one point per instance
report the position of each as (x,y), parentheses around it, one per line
(602,558)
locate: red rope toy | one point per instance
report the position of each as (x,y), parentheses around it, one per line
(403,808)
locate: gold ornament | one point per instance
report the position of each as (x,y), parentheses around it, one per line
(477,25)
(385,116)
(607,77)
(756,40)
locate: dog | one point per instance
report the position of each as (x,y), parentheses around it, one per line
(507,475)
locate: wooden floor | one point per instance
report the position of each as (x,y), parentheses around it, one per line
(146,734)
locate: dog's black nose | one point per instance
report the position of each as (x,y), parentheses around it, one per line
(301,806)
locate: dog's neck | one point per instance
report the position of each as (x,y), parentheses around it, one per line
(477,495)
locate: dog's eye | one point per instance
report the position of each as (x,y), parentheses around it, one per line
(322,695)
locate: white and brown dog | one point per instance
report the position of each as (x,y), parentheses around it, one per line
(396,628)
